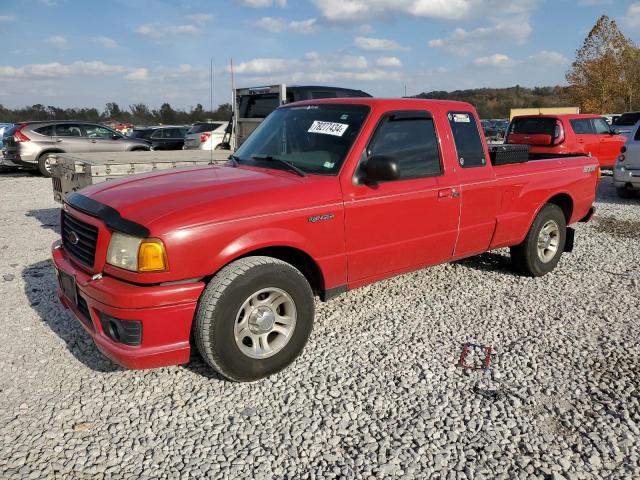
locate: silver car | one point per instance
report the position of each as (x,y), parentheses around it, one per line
(626,171)
(206,136)
(32,144)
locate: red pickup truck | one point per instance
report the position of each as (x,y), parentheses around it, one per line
(567,135)
(324,197)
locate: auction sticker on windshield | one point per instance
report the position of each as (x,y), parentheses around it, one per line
(328,128)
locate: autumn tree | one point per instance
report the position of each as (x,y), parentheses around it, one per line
(599,78)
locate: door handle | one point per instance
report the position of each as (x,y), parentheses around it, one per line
(58,140)
(448,193)
(94,141)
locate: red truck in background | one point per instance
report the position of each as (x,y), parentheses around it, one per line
(324,197)
(567,135)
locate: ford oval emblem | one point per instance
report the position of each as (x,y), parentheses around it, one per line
(73,238)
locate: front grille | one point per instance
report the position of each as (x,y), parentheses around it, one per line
(87,238)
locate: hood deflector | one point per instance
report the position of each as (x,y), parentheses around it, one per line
(110,216)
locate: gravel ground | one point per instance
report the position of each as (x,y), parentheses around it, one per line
(376,394)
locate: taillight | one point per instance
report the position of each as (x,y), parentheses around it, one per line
(205,136)
(19,136)
(623,149)
(558,133)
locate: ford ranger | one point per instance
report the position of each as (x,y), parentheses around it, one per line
(324,196)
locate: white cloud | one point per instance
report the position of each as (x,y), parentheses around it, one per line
(7,18)
(389,62)
(277,25)
(137,74)
(55,69)
(263,66)
(264,3)
(157,31)
(361,10)
(377,44)
(497,60)
(588,3)
(313,67)
(57,41)
(106,42)
(465,42)
(200,18)
(546,57)
(632,17)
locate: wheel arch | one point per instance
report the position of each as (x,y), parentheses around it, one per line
(48,151)
(564,201)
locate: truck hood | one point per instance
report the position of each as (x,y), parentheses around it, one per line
(192,196)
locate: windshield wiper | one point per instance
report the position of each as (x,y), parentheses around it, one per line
(235,160)
(290,166)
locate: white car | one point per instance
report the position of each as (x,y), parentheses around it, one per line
(205,136)
(626,171)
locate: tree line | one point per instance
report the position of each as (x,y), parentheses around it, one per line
(138,114)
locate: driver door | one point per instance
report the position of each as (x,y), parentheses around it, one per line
(406,223)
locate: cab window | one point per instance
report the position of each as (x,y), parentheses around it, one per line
(466,136)
(410,138)
(601,126)
(582,126)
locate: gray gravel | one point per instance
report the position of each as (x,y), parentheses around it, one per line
(376,394)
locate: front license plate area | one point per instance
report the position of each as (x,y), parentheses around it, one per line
(68,284)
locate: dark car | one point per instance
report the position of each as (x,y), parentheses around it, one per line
(162,138)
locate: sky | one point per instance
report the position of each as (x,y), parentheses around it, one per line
(79,53)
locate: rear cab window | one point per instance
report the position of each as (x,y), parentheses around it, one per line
(466,136)
(410,138)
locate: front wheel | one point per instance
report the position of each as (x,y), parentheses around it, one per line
(254,318)
(541,249)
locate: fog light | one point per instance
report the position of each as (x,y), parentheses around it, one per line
(127,332)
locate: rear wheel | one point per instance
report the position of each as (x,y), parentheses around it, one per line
(542,248)
(44,164)
(624,192)
(254,318)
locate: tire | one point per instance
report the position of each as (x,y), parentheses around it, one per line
(528,258)
(227,319)
(626,193)
(44,166)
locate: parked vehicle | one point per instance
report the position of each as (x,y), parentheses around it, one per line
(326,196)
(567,135)
(626,173)
(162,138)
(4,128)
(206,136)
(32,144)
(254,104)
(624,123)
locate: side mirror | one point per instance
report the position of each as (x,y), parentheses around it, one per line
(115,136)
(381,168)
(614,131)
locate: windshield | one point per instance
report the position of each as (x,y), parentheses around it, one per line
(314,138)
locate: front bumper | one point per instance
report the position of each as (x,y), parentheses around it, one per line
(624,177)
(165,312)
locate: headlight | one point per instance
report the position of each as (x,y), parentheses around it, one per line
(136,254)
